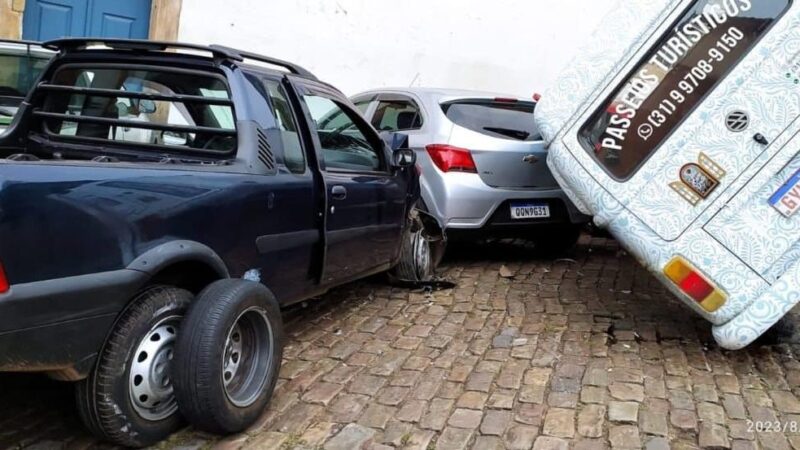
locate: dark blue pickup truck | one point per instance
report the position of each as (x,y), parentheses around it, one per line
(160,202)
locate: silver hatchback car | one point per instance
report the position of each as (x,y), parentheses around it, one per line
(484,170)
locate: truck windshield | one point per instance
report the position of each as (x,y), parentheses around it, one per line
(684,66)
(141,106)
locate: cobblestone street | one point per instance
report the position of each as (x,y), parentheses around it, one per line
(585,352)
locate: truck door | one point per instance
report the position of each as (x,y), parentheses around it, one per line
(365,200)
(673,127)
(288,231)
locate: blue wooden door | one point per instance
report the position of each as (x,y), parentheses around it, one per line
(52,19)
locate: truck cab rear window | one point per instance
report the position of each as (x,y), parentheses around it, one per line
(146,106)
(673,79)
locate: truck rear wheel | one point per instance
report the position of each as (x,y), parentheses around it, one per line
(128,397)
(227,362)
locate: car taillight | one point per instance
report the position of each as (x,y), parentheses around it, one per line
(694,284)
(451,159)
(3,280)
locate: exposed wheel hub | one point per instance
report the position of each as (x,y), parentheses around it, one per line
(233,355)
(247,357)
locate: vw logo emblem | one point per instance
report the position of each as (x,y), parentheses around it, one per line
(737,121)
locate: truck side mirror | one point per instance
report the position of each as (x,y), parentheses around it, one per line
(404,157)
(394,141)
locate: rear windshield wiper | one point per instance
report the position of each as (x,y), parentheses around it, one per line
(6,113)
(516,134)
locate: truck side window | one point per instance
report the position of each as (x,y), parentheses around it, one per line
(293,155)
(362,106)
(346,141)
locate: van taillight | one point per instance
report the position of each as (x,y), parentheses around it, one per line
(3,280)
(694,284)
(451,159)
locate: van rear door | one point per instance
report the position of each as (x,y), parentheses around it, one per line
(658,137)
(762,224)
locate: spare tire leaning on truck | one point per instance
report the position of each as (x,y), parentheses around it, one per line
(223,388)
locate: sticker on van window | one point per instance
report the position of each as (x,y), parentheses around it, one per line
(684,66)
(787,199)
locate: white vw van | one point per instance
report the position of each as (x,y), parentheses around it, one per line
(678,128)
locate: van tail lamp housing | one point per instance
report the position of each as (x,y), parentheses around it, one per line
(694,284)
(451,159)
(3,280)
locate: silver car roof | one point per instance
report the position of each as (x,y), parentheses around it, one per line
(440,94)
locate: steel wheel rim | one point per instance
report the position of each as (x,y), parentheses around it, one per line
(247,357)
(150,385)
(422,254)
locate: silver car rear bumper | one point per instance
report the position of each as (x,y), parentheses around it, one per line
(463,201)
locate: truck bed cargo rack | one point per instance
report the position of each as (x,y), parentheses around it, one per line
(68,45)
(115,93)
(133,123)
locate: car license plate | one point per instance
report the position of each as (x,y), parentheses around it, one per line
(787,199)
(530,211)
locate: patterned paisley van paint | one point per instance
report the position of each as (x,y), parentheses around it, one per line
(734,236)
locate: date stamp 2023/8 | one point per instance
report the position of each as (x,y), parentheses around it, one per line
(773,426)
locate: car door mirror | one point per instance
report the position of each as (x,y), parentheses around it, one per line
(404,157)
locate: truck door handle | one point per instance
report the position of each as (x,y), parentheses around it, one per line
(339,193)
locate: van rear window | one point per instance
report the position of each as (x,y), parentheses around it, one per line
(674,78)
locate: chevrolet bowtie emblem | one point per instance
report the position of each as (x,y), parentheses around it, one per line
(530,159)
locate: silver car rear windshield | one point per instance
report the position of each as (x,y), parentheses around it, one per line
(684,66)
(500,118)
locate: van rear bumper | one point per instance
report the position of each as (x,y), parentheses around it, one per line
(762,313)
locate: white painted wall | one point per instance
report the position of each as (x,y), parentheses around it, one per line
(512,46)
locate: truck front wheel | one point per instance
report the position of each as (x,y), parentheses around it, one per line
(417,256)
(227,361)
(128,397)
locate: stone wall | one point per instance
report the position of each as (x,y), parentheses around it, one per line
(11,18)
(165,19)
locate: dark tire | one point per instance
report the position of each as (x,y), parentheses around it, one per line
(558,240)
(226,364)
(128,397)
(785,331)
(439,247)
(416,259)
